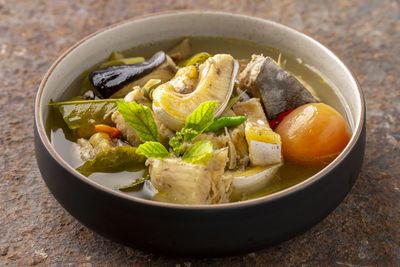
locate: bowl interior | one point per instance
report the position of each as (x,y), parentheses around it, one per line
(125,35)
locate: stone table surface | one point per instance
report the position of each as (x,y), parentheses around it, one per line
(363,231)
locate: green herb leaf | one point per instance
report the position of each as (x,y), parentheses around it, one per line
(137,184)
(201,118)
(228,121)
(152,150)
(79,113)
(141,119)
(120,158)
(199,153)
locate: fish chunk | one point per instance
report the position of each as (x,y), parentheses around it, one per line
(188,183)
(252,109)
(278,90)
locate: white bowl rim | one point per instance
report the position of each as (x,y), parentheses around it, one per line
(240,204)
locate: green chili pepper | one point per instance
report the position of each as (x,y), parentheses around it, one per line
(228,121)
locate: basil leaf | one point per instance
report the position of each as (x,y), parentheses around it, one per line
(199,153)
(83,113)
(152,150)
(139,118)
(199,120)
(120,158)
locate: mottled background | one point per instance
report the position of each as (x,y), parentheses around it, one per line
(363,231)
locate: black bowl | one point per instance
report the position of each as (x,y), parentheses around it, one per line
(199,230)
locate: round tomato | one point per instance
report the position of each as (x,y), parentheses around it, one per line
(313,134)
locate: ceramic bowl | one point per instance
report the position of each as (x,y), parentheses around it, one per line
(200,229)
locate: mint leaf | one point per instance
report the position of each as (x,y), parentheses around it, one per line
(139,118)
(152,150)
(199,120)
(199,153)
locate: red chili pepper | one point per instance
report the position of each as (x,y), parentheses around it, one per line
(275,122)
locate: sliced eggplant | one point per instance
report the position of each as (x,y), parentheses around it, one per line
(117,81)
(278,90)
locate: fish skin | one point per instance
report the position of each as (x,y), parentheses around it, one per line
(278,89)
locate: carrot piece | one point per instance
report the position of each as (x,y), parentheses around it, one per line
(111,131)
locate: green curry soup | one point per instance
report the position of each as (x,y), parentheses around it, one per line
(288,172)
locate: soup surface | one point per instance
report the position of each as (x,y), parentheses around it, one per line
(288,174)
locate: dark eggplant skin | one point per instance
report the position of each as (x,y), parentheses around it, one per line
(278,90)
(109,80)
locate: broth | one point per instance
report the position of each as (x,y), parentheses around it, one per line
(288,175)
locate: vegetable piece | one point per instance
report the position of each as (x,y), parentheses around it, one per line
(135,185)
(117,81)
(264,144)
(111,131)
(152,150)
(150,86)
(83,113)
(195,60)
(216,80)
(313,134)
(181,51)
(120,158)
(139,118)
(228,121)
(122,61)
(199,153)
(275,122)
(278,89)
(188,183)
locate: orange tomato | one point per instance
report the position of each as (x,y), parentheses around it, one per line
(313,134)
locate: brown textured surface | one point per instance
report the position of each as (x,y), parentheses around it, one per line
(363,231)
